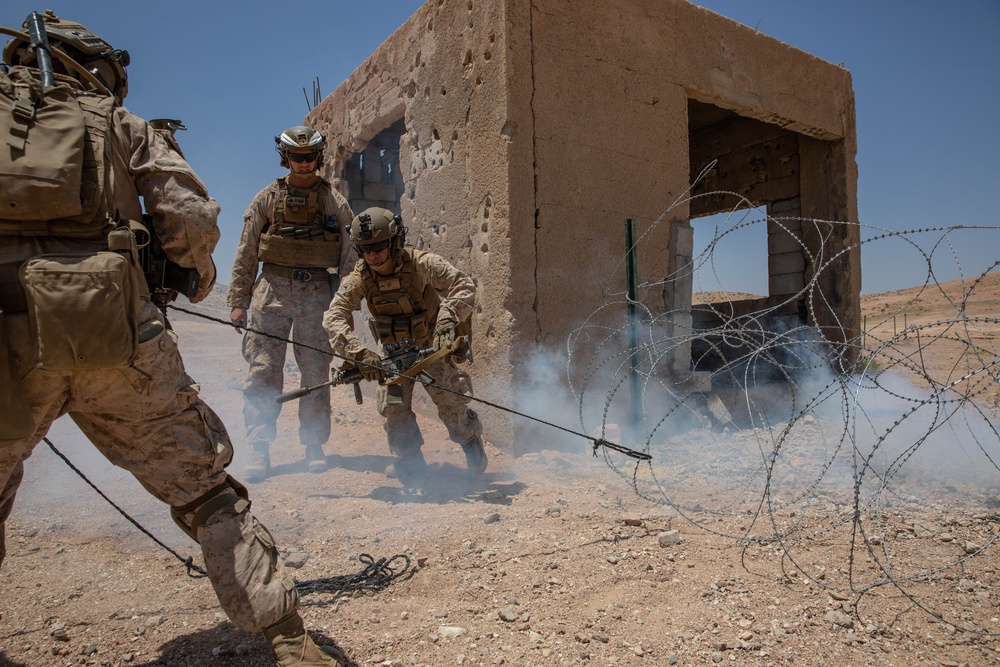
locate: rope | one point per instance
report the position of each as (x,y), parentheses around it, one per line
(597,442)
(376,576)
(193,570)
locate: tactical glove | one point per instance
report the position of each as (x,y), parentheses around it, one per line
(370,365)
(444,334)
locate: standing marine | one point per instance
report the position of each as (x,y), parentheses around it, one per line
(417,296)
(292,231)
(78,332)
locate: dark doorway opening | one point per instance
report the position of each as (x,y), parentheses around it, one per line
(373,176)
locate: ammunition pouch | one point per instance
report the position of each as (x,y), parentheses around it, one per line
(392,329)
(299,246)
(83,310)
(45,132)
(16,421)
(228,495)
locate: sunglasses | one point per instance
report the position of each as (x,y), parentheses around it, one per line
(374,247)
(303,157)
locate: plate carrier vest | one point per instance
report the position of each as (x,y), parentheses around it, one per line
(399,309)
(299,234)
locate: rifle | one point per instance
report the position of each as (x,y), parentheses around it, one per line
(40,43)
(349,374)
(164,277)
(403,360)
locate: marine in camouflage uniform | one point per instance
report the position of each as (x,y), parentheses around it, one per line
(144,416)
(411,294)
(292,230)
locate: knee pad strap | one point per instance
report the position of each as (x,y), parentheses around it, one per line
(229,494)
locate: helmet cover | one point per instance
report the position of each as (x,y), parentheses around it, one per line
(91,52)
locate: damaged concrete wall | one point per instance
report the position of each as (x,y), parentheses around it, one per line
(529,130)
(447,75)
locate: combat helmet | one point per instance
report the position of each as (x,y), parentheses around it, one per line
(96,56)
(297,138)
(376,228)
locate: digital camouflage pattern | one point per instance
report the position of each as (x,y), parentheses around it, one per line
(281,307)
(400,423)
(259,214)
(284,308)
(457,299)
(147,417)
(456,289)
(184,216)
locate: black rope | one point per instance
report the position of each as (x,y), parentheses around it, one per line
(376,576)
(193,570)
(597,442)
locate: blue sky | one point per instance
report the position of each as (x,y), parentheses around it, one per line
(926,80)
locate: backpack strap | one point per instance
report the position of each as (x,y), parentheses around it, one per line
(22,112)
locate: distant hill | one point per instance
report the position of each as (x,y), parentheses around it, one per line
(947,332)
(932,300)
(719,297)
(938,301)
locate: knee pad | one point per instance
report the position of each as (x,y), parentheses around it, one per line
(228,495)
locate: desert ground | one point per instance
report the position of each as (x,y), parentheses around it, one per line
(549,559)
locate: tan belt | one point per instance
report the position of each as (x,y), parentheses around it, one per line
(295,273)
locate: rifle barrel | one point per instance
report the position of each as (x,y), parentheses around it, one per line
(298,393)
(40,44)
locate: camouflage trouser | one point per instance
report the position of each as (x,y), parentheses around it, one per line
(281,306)
(147,418)
(400,423)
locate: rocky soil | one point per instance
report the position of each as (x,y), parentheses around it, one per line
(548,559)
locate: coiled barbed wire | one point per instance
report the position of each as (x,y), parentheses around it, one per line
(775,432)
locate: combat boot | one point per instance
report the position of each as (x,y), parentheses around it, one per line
(411,468)
(315,458)
(258,464)
(293,647)
(475,456)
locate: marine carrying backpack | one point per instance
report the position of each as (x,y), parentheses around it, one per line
(55,181)
(55,165)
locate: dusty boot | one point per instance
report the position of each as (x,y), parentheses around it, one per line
(475,456)
(293,647)
(409,469)
(258,465)
(315,458)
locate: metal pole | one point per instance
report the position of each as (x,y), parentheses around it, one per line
(632,276)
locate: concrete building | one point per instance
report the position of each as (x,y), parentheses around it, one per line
(515,136)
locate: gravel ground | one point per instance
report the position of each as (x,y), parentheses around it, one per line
(549,559)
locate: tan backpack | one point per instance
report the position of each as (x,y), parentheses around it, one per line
(55,166)
(55,180)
